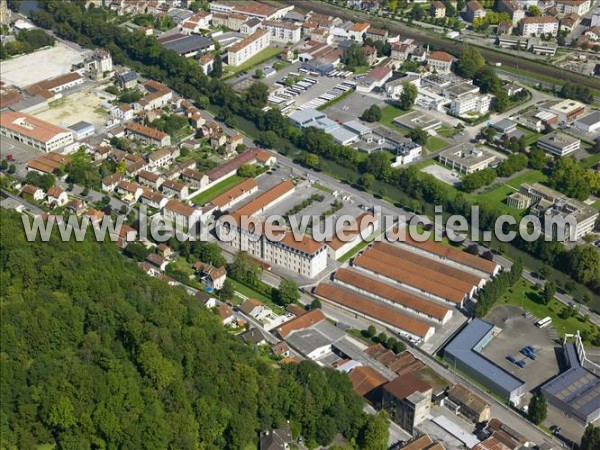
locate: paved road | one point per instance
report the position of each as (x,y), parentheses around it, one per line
(445,44)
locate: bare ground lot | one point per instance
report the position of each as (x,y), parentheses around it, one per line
(35,67)
(81,105)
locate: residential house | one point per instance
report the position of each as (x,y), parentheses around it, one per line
(248,47)
(276,438)
(31,192)
(158,261)
(469,405)
(283,32)
(370,54)
(162,157)
(250,26)
(207,63)
(172,188)
(579,7)
(129,191)
(474,11)
(512,8)
(255,309)
(178,212)
(253,336)
(377,34)
(440,62)
(537,26)
(153,199)
(226,314)
(233,142)
(437,10)
(76,206)
(57,197)
(150,179)
(213,277)
(358,30)
(194,178)
(148,135)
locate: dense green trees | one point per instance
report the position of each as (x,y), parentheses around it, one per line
(408,96)
(97,354)
(574,180)
(81,171)
(26,41)
(288,293)
(469,62)
(353,57)
(577,92)
(371,114)
(538,408)
(476,180)
(496,288)
(591,438)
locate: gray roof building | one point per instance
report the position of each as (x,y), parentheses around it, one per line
(189,44)
(464,353)
(576,391)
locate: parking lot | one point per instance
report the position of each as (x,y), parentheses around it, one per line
(443,174)
(37,66)
(518,332)
(352,106)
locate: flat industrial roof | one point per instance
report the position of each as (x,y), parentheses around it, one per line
(188,44)
(373,309)
(577,387)
(462,349)
(591,119)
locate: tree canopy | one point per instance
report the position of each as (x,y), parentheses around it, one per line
(98,354)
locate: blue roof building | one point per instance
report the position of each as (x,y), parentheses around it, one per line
(464,353)
(575,391)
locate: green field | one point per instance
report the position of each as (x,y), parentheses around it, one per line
(531,137)
(447,131)
(496,194)
(389,113)
(260,57)
(204,197)
(251,293)
(527,296)
(435,143)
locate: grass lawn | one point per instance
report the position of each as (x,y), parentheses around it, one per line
(596,204)
(533,176)
(260,57)
(322,188)
(447,131)
(362,70)
(251,293)
(357,248)
(336,100)
(434,144)
(204,197)
(524,294)
(531,137)
(389,113)
(591,161)
(496,193)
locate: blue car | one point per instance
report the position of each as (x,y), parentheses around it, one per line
(524,351)
(521,364)
(530,348)
(511,359)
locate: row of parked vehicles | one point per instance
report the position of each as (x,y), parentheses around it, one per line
(527,351)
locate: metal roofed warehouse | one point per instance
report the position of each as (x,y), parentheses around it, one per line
(464,353)
(576,391)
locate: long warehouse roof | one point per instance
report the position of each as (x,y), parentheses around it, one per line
(409,278)
(373,309)
(393,294)
(438,266)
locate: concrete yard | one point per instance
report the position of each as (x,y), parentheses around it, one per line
(83,104)
(517,332)
(35,67)
(352,107)
(443,174)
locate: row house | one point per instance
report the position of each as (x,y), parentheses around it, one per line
(178,212)
(148,135)
(172,188)
(129,191)
(163,157)
(194,178)
(110,182)
(153,199)
(150,179)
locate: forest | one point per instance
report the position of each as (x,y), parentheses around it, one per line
(97,354)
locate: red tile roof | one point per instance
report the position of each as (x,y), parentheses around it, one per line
(365,379)
(299,323)
(405,385)
(266,198)
(372,309)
